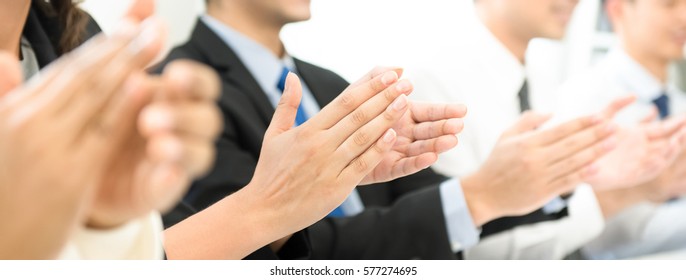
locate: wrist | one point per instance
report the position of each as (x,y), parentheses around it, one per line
(613,202)
(209,234)
(477,200)
(262,218)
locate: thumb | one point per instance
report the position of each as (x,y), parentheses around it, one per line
(287,109)
(649,117)
(617,105)
(528,122)
(140,10)
(10,73)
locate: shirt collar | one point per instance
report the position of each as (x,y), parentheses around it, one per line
(503,64)
(635,77)
(260,61)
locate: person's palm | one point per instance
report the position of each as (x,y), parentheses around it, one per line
(642,153)
(629,164)
(425,131)
(134,184)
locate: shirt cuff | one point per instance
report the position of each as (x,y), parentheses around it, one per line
(140,239)
(462,233)
(554,206)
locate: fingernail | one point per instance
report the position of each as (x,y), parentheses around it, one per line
(400,103)
(454,126)
(389,136)
(403,86)
(159,119)
(596,119)
(389,78)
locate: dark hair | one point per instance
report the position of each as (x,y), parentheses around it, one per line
(72,21)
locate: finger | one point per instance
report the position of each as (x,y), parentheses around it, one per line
(140,10)
(664,129)
(617,105)
(429,130)
(200,120)
(581,162)
(191,80)
(10,73)
(196,157)
(568,146)
(287,109)
(104,108)
(377,71)
(528,122)
(567,184)
(352,98)
(680,138)
(650,116)
(377,108)
(60,82)
(567,129)
(428,112)
(166,185)
(436,145)
(113,130)
(360,140)
(353,173)
(412,165)
(669,151)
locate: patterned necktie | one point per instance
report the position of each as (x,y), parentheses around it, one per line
(301,116)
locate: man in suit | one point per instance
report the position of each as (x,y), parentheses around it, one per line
(420,216)
(487,71)
(644,217)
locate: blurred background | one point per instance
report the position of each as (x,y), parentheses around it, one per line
(348,36)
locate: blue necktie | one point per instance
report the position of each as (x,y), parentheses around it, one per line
(300,118)
(662,104)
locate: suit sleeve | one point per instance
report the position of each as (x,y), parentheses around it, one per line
(412,228)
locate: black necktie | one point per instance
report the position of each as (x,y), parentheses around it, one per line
(524,104)
(662,104)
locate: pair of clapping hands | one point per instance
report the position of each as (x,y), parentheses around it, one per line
(94,141)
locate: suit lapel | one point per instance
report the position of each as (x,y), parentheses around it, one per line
(321,90)
(231,69)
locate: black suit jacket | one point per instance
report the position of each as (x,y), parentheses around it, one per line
(403,218)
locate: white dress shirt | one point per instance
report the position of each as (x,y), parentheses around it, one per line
(483,74)
(646,228)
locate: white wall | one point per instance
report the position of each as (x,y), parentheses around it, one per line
(179,15)
(352,36)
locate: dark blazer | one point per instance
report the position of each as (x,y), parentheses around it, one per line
(403,218)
